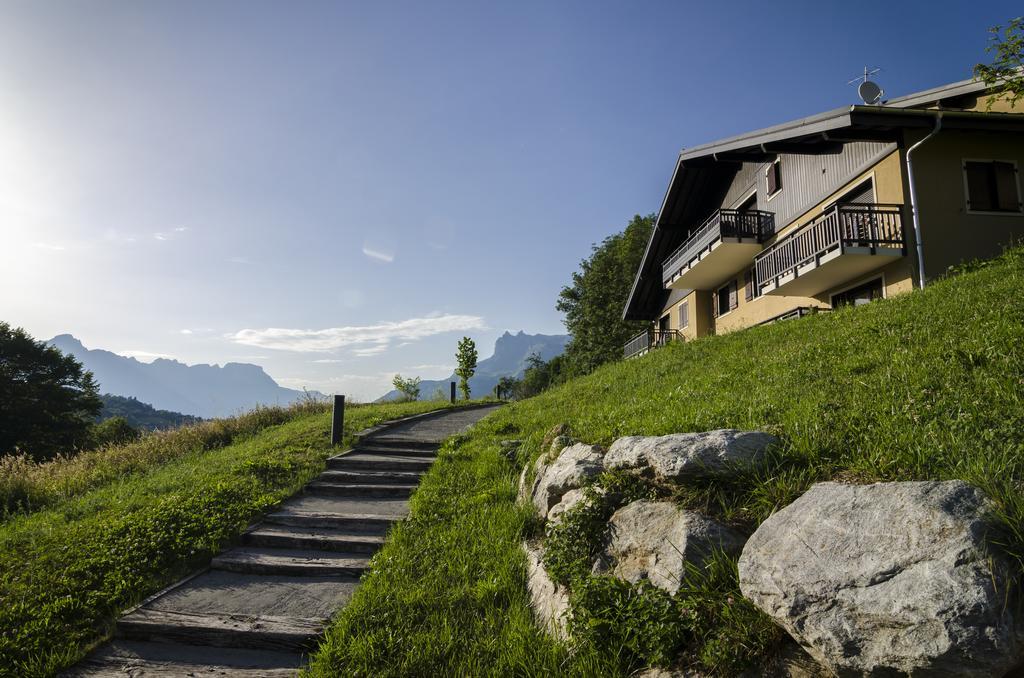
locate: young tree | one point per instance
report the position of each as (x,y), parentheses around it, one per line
(47,401)
(593,303)
(409,388)
(1006,72)
(465,358)
(505,387)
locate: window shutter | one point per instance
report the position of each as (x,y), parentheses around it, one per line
(733,297)
(979,193)
(774,177)
(1006,187)
(714,303)
(748,285)
(684,315)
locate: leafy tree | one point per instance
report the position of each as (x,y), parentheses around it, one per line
(409,388)
(47,401)
(465,358)
(505,387)
(539,376)
(1006,72)
(113,431)
(593,303)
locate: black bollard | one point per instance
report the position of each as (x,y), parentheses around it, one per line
(453,391)
(338,421)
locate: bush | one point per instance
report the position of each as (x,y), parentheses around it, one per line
(113,431)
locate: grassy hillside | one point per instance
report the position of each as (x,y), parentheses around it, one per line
(135,518)
(924,386)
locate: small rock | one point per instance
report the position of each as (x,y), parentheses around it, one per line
(550,601)
(526,490)
(509,448)
(655,540)
(886,579)
(569,500)
(683,456)
(554,432)
(574,466)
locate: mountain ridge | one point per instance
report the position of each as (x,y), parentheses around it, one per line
(508,360)
(201,390)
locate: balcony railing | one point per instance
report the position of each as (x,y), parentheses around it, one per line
(862,227)
(648,339)
(750,224)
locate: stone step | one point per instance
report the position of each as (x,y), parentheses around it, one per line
(362,523)
(280,634)
(369,463)
(411,453)
(359,490)
(124,658)
(323,539)
(307,562)
(395,442)
(371,477)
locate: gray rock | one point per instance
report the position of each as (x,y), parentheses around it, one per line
(886,579)
(510,448)
(550,601)
(654,540)
(682,456)
(569,501)
(526,489)
(574,466)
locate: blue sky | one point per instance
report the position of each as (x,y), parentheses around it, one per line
(338,191)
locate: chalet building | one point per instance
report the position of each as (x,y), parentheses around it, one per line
(820,212)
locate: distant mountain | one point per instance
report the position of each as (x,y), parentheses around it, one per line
(141,415)
(509,360)
(202,390)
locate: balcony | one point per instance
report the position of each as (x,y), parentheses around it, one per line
(845,242)
(723,245)
(649,339)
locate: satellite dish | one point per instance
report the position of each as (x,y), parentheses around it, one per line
(870,93)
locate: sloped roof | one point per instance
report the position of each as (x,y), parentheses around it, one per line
(700,168)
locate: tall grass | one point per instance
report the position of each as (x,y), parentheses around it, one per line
(26,485)
(928,385)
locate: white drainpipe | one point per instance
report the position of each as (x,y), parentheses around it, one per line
(913,198)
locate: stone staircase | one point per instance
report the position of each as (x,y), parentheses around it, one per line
(262,605)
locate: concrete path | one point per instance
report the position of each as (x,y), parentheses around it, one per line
(262,606)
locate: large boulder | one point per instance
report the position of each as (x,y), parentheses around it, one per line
(550,601)
(684,456)
(571,470)
(655,540)
(887,579)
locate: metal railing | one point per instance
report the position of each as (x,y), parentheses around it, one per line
(843,226)
(755,224)
(649,339)
(798,312)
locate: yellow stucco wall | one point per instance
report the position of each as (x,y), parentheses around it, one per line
(700,321)
(951,233)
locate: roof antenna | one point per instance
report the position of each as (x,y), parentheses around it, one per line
(869,91)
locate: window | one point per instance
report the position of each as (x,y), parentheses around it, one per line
(725,299)
(991,186)
(751,290)
(859,295)
(684,314)
(773,174)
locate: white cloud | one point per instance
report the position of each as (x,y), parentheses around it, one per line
(386,257)
(440,368)
(186,331)
(369,351)
(327,361)
(369,339)
(50,246)
(171,234)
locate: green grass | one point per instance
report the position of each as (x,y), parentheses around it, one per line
(923,386)
(68,570)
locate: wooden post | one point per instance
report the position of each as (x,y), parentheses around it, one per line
(453,391)
(338,420)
